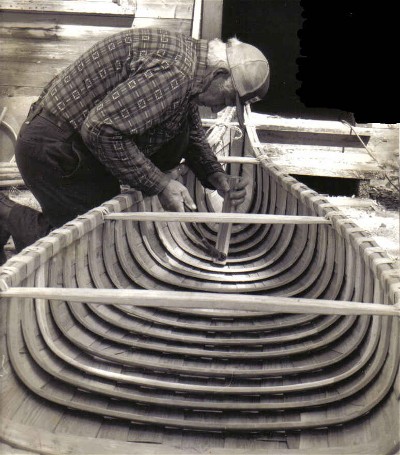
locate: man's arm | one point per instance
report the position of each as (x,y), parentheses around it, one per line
(203,162)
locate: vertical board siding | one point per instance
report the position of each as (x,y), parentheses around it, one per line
(40,38)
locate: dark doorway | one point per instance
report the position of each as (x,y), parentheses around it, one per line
(327,58)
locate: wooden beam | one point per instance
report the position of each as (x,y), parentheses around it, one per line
(96,7)
(272,123)
(35,441)
(196,21)
(206,217)
(300,159)
(11,183)
(312,160)
(211,24)
(177,299)
(161,9)
(110,20)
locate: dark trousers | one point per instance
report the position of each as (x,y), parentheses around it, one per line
(64,176)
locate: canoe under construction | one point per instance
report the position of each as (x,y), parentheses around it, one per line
(123,334)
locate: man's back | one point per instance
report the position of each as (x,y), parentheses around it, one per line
(84,83)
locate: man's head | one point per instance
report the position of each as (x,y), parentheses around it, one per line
(250,74)
(239,74)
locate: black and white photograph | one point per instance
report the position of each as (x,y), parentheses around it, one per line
(199,227)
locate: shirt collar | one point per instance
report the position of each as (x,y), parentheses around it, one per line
(201,48)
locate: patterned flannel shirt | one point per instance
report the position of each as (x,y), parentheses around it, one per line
(130,94)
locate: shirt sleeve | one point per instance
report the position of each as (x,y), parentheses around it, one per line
(199,156)
(144,100)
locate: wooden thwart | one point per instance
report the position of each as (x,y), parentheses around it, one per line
(206,217)
(166,299)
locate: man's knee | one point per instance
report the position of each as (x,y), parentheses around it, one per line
(26,225)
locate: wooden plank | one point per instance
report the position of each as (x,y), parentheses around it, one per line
(196,22)
(33,53)
(173,9)
(319,154)
(302,147)
(183,299)
(23,436)
(206,217)
(120,21)
(181,25)
(29,50)
(344,201)
(211,26)
(117,431)
(46,31)
(310,160)
(40,75)
(11,183)
(342,141)
(266,122)
(97,7)
(178,25)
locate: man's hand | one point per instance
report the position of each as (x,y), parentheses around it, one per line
(175,197)
(222,184)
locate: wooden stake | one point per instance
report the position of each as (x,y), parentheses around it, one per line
(225,229)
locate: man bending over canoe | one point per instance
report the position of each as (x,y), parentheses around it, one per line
(126,112)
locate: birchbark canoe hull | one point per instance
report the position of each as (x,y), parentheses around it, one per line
(219,376)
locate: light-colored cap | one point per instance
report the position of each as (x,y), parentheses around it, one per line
(250,74)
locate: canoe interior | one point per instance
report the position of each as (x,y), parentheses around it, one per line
(105,378)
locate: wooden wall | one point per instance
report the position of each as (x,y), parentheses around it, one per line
(39,38)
